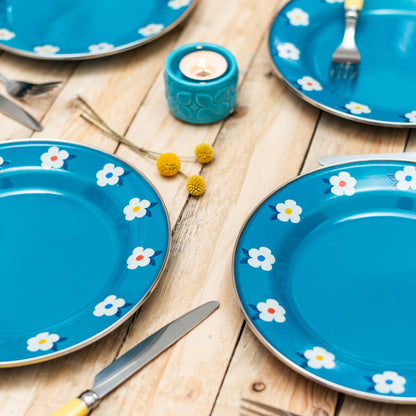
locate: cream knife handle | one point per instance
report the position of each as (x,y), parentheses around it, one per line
(75,407)
(354,4)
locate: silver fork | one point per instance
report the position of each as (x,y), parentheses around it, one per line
(346,58)
(254,407)
(21,89)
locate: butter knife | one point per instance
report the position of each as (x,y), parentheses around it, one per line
(334,160)
(9,108)
(135,359)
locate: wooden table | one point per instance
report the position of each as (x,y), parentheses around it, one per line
(272,137)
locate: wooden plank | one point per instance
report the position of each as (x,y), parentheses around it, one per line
(257,149)
(256,374)
(116,87)
(411,143)
(336,136)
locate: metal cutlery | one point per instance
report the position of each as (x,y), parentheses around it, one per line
(9,108)
(333,160)
(135,359)
(346,57)
(254,407)
(22,89)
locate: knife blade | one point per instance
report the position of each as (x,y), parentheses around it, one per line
(333,160)
(135,359)
(9,108)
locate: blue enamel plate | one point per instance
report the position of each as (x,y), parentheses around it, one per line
(84,238)
(80,29)
(305,34)
(325,274)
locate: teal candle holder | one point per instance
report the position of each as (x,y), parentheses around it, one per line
(196,101)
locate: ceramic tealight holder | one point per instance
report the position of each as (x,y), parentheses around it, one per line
(201,82)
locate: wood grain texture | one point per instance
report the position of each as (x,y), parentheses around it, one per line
(272,137)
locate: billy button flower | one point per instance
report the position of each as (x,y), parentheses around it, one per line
(168,164)
(195,185)
(204,153)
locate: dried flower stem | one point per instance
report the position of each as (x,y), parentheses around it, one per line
(93,118)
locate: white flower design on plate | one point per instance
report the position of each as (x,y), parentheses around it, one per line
(406,178)
(140,258)
(288,51)
(319,357)
(136,208)
(177,4)
(271,311)
(151,29)
(1,161)
(109,175)
(109,306)
(262,258)
(343,184)
(54,158)
(43,341)
(411,116)
(356,108)
(46,49)
(307,83)
(289,211)
(101,47)
(334,1)
(297,17)
(389,382)
(6,34)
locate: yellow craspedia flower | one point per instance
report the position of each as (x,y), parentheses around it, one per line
(195,185)
(168,164)
(204,152)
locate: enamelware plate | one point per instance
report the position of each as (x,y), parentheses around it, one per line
(325,274)
(80,29)
(304,36)
(84,238)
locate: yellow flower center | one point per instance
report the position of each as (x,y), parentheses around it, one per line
(136,209)
(288,211)
(357,107)
(319,357)
(42,341)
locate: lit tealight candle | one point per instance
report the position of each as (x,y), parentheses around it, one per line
(201,82)
(203,65)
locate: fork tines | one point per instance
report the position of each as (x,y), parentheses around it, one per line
(345,70)
(42,88)
(254,407)
(346,57)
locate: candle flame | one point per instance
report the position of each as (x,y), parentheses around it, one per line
(202,63)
